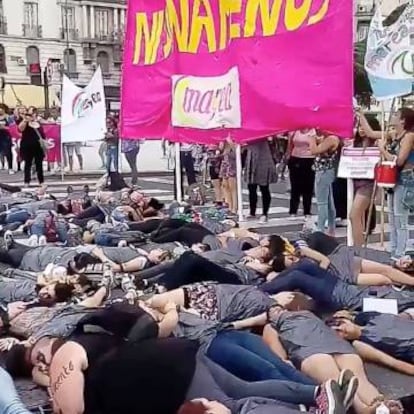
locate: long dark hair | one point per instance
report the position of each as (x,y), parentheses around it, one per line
(366,141)
(407,115)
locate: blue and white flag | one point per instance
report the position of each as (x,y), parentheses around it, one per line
(389,59)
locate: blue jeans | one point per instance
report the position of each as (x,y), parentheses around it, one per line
(398,214)
(10,402)
(246,356)
(324,196)
(112,158)
(38,229)
(17,215)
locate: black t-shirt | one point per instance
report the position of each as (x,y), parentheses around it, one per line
(151,376)
(30,138)
(4,133)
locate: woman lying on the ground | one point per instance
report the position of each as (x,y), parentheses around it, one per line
(206,307)
(381,338)
(329,291)
(350,268)
(315,349)
(75,260)
(192,268)
(102,371)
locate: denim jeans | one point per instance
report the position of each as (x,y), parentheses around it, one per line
(39,229)
(10,402)
(112,158)
(324,196)
(246,356)
(17,215)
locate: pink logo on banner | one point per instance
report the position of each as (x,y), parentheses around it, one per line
(197,70)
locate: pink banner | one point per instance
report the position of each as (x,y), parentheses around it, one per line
(199,70)
(52,134)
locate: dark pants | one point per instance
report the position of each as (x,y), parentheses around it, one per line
(6,151)
(91,213)
(29,157)
(187,163)
(322,243)
(266,198)
(302,181)
(131,157)
(246,356)
(147,226)
(311,280)
(186,233)
(340,198)
(213,382)
(14,255)
(192,268)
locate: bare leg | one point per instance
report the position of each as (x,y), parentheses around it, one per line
(80,160)
(233,194)
(357,217)
(395,275)
(159,301)
(373,279)
(366,392)
(217,191)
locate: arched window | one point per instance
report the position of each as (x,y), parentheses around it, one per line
(103,61)
(69,58)
(3,66)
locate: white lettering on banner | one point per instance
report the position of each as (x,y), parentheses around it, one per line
(358,163)
(206,102)
(390,54)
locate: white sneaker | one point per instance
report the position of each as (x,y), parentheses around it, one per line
(33,241)
(11,172)
(42,241)
(264,219)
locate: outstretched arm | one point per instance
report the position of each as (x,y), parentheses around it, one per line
(323,261)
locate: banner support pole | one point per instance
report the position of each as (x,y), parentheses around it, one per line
(178,177)
(62,158)
(239,182)
(349,202)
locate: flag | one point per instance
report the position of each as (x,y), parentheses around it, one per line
(83,110)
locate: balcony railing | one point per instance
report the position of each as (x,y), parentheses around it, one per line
(69,34)
(3,25)
(32,31)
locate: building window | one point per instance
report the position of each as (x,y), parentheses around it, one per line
(33,65)
(103,61)
(31,16)
(102,23)
(68,17)
(69,58)
(3,67)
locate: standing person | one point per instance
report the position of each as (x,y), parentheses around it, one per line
(187,162)
(399,147)
(31,146)
(5,139)
(69,150)
(214,158)
(325,148)
(363,189)
(302,176)
(228,174)
(130,148)
(260,170)
(112,142)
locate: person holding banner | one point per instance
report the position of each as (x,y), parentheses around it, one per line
(31,149)
(399,148)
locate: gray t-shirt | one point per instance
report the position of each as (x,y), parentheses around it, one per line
(391,334)
(37,259)
(17,290)
(235,302)
(303,335)
(212,241)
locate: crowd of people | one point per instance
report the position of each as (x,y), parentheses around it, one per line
(120,304)
(31,149)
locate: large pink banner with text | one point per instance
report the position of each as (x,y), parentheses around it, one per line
(199,70)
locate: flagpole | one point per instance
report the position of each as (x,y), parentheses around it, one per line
(239,182)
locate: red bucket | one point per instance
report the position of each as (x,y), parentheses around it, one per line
(386,174)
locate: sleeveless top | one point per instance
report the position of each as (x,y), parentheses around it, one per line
(324,162)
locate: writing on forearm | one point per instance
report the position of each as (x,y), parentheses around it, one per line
(64,374)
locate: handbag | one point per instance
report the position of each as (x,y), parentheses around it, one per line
(43,143)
